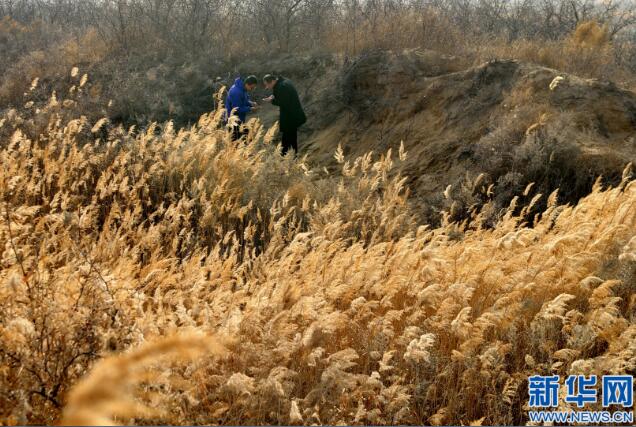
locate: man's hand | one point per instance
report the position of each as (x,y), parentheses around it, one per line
(253,104)
(255,107)
(269,98)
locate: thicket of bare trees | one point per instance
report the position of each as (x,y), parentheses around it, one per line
(179,45)
(193,26)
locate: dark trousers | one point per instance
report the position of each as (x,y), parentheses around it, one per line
(290,140)
(237,133)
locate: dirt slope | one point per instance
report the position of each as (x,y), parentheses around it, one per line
(516,122)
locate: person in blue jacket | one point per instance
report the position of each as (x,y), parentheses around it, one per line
(238,103)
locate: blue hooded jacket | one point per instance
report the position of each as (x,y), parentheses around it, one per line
(238,98)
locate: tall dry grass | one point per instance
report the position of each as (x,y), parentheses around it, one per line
(333,304)
(586,52)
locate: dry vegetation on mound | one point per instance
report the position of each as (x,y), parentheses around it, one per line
(488,131)
(292,295)
(159,60)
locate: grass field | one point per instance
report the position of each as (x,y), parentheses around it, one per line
(170,276)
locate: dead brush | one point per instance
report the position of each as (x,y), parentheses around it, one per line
(341,308)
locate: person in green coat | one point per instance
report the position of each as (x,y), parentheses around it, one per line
(292,115)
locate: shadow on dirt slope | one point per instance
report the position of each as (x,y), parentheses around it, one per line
(514,122)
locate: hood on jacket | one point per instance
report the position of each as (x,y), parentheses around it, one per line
(239,84)
(238,100)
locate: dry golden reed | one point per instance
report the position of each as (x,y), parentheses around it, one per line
(337,305)
(104,393)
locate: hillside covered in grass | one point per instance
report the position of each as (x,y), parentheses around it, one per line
(461,214)
(165,276)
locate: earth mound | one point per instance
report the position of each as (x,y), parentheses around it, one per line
(487,130)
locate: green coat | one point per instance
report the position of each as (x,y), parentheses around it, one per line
(292,115)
